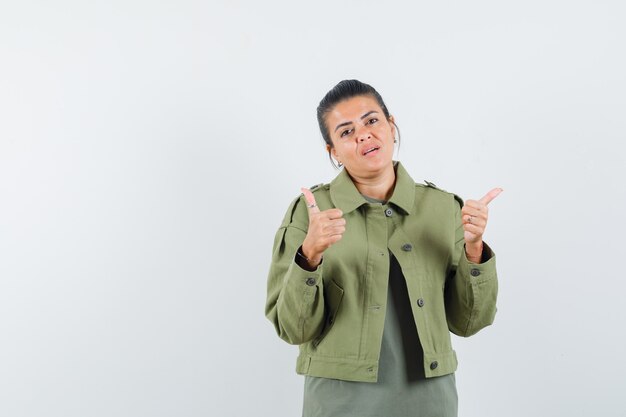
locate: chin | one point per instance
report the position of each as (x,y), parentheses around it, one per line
(379,163)
(375,166)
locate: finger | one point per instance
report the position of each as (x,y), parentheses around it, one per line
(490,195)
(475,205)
(474,211)
(311,205)
(328,241)
(334,239)
(339,230)
(476,221)
(471,238)
(472,228)
(336,222)
(333,214)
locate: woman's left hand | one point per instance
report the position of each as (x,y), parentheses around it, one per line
(474,215)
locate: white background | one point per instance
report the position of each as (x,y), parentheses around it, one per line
(149,149)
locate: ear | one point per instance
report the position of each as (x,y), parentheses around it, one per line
(331,150)
(392,122)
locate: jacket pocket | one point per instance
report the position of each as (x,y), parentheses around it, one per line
(333,295)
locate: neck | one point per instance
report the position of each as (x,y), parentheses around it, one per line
(379,186)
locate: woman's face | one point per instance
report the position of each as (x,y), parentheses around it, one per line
(363,138)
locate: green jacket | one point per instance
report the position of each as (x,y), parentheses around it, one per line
(337,312)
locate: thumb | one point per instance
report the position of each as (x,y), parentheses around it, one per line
(310,201)
(490,196)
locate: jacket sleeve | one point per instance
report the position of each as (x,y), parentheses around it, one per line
(295,296)
(471,289)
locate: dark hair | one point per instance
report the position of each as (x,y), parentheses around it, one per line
(346,89)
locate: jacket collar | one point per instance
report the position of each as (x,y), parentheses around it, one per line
(346,197)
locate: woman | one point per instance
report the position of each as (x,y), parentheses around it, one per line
(372,272)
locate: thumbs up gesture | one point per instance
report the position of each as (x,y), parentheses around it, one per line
(325,228)
(474,215)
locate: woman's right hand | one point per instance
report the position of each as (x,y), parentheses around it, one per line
(325,228)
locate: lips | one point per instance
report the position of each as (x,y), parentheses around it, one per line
(370,150)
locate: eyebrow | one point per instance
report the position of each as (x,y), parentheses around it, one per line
(362,117)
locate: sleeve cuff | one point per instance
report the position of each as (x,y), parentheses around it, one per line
(307,281)
(483,271)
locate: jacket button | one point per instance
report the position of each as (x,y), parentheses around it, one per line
(388,212)
(330,320)
(310,282)
(475,272)
(420,302)
(433,365)
(407,247)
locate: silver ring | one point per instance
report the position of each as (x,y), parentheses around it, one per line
(311,205)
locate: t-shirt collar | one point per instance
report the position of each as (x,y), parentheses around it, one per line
(346,197)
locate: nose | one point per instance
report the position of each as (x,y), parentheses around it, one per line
(363,134)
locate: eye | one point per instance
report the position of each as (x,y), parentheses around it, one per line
(345,132)
(372,120)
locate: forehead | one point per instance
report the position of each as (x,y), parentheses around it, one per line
(352,109)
